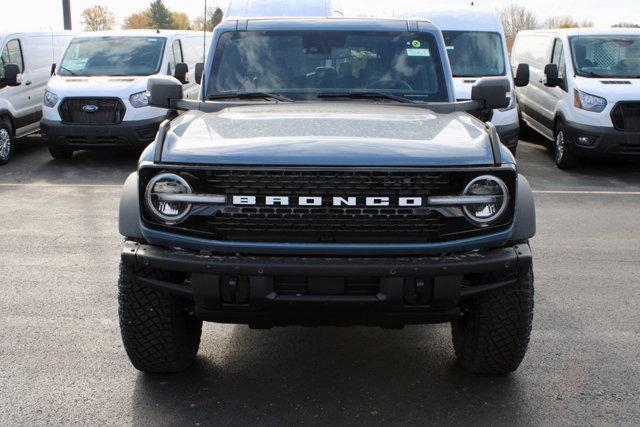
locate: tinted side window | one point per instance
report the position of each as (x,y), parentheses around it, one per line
(558,58)
(12,54)
(175,56)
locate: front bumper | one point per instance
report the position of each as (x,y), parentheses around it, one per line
(604,141)
(266,291)
(137,133)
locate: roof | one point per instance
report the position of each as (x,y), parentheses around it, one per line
(331,23)
(471,18)
(39,33)
(586,31)
(137,33)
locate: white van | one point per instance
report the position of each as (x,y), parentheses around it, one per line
(26,63)
(477,48)
(98,95)
(585,90)
(289,8)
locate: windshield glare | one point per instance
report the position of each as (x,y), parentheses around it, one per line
(308,63)
(113,56)
(606,56)
(475,53)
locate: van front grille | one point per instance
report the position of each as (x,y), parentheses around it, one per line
(626,116)
(92,111)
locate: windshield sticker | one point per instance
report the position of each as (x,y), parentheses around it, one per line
(416,44)
(418,52)
(451,48)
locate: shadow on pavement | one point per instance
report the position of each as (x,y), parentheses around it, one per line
(327,376)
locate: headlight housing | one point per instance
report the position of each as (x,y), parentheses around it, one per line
(158,196)
(588,102)
(140,99)
(50,99)
(487,213)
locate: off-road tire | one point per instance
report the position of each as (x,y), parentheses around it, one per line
(60,153)
(492,334)
(159,330)
(562,154)
(7,130)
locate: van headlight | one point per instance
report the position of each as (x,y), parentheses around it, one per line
(588,102)
(486,213)
(163,198)
(50,99)
(140,99)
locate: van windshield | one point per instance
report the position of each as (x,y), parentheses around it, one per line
(113,56)
(606,56)
(303,64)
(475,53)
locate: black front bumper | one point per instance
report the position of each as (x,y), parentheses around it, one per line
(267,291)
(138,133)
(604,141)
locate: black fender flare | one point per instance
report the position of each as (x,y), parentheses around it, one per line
(129,212)
(525,212)
(6,113)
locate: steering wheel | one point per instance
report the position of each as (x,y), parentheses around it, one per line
(391,84)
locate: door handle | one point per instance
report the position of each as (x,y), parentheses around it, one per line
(27,83)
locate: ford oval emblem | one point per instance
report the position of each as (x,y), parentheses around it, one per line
(90,108)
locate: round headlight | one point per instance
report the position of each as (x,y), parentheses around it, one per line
(161,194)
(486,213)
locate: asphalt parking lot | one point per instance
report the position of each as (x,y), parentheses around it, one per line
(62,361)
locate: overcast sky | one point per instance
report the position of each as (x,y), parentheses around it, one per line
(43,14)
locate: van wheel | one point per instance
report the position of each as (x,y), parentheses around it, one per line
(6,142)
(60,153)
(564,158)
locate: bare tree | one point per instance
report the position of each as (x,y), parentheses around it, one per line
(626,25)
(214,17)
(565,22)
(98,18)
(516,18)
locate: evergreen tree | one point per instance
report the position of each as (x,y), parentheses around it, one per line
(160,16)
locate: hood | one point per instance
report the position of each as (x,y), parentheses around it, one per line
(327,134)
(612,89)
(121,87)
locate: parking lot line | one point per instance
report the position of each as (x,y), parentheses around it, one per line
(596,192)
(19,184)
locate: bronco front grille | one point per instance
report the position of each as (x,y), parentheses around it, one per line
(328,224)
(626,116)
(92,111)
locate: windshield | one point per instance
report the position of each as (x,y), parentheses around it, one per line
(308,63)
(475,53)
(606,56)
(113,56)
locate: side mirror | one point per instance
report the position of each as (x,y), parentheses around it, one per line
(522,75)
(199,72)
(180,72)
(53,69)
(491,92)
(163,91)
(552,78)
(12,76)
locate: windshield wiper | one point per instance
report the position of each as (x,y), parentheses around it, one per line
(249,95)
(367,95)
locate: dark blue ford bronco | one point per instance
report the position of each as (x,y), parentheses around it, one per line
(327,176)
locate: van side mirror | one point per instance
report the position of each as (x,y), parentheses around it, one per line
(491,92)
(522,75)
(552,78)
(180,72)
(199,72)
(163,91)
(12,76)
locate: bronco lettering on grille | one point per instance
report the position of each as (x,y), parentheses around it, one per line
(373,201)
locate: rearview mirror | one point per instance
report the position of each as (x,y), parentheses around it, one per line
(199,72)
(491,92)
(522,75)
(551,75)
(12,76)
(180,72)
(163,91)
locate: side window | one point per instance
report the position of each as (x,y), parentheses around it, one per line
(12,54)
(175,56)
(558,58)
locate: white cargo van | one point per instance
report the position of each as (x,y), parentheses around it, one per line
(98,95)
(477,48)
(585,90)
(290,8)
(26,63)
